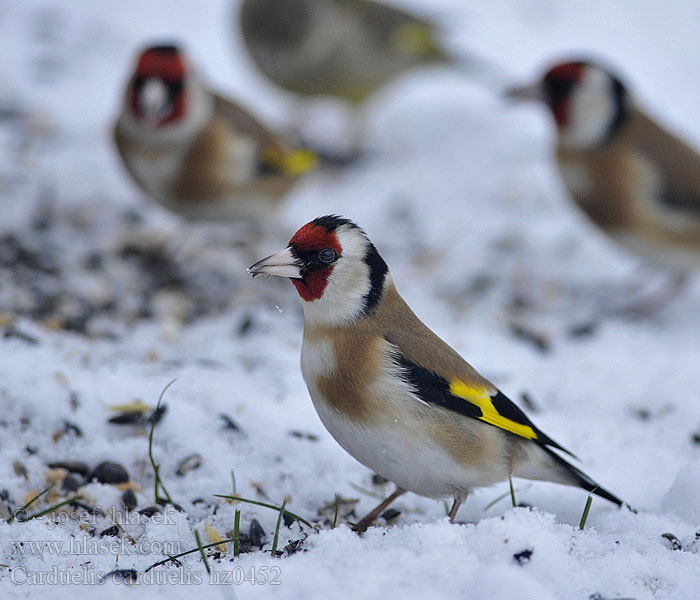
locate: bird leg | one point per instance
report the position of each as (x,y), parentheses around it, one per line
(459,499)
(370,517)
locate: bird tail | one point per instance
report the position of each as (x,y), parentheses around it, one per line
(582,480)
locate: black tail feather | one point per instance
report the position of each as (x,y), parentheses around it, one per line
(584,481)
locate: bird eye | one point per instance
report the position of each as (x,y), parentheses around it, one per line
(327,255)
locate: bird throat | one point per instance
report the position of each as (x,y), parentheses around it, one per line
(313,285)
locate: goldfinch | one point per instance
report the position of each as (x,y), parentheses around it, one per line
(390,391)
(636,181)
(197,153)
(345,48)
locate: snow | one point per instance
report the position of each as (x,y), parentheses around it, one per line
(461,199)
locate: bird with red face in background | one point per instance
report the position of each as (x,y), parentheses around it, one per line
(631,177)
(196,152)
(391,392)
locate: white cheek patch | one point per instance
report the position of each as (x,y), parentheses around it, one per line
(592,109)
(344,297)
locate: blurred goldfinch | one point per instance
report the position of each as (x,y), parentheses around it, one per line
(390,391)
(636,181)
(345,48)
(197,153)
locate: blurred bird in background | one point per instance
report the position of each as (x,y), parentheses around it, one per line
(342,48)
(196,152)
(636,181)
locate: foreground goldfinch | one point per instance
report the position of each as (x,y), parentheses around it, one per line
(390,391)
(345,48)
(196,152)
(633,179)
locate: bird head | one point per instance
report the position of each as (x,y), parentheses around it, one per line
(334,267)
(157,94)
(587,101)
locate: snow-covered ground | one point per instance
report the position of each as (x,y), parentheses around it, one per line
(105,298)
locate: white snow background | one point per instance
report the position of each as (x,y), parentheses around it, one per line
(461,198)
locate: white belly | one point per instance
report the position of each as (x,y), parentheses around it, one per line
(155,173)
(398,448)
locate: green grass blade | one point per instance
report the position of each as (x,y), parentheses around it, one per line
(277,530)
(28,504)
(584,516)
(50,509)
(335,514)
(156,468)
(185,553)
(266,505)
(201,551)
(237,533)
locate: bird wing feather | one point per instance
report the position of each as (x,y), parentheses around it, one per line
(441,377)
(678,164)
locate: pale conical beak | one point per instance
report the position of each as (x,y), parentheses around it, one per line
(282,264)
(525,92)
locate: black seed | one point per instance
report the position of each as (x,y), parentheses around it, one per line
(245,326)
(112,531)
(378,479)
(133,417)
(78,467)
(94,261)
(175,505)
(304,436)
(125,575)
(12,332)
(538,340)
(673,540)
(288,519)
(229,423)
(523,557)
(293,547)
(257,534)
(189,463)
(69,427)
(129,500)
(19,469)
(149,511)
(71,483)
(528,402)
(157,414)
(93,510)
(390,514)
(244,545)
(110,472)
(583,329)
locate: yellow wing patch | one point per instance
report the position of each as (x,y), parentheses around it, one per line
(479,396)
(298,162)
(293,163)
(414,38)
